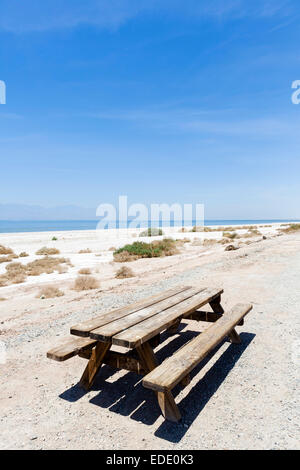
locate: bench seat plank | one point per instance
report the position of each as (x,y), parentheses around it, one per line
(142,332)
(83,329)
(69,348)
(174,369)
(106,332)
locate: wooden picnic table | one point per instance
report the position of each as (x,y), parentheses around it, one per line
(137,328)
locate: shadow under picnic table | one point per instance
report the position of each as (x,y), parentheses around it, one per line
(127,396)
(197,398)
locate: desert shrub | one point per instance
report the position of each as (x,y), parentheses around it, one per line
(15,267)
(18,279)
(124,272)
(85,271)
(291,228)
(5,259)
(124,256)
(204,229)
(47,251)
(223,241)
(251,233)
(85,283)
(152,232)
(230,235)
(15,273)
(165,247)
(5,250)
(85,250)
(4,280)
(23,254)
(45,265)
(50,292)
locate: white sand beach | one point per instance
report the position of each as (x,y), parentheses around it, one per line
(99,243)
(250,403)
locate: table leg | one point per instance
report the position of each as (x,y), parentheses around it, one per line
(172,330)
(216,305)
(217,308)
(94,364)
(166,401)
(168,406)
(147,356)
(234,337)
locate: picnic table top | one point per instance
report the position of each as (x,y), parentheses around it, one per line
(137,323)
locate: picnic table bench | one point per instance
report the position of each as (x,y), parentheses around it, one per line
(137,328)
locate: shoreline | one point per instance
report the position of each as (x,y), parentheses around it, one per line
(175,229)
(5,225)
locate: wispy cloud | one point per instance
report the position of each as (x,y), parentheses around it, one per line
(10,116)
(221,122)
(34,15)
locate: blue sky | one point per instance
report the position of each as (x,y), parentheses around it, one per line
(161,100)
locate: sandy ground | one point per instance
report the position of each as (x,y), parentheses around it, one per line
(244,397)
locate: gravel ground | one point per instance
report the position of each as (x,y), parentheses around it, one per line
(244,397)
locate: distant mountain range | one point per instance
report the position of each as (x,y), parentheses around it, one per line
(28,212)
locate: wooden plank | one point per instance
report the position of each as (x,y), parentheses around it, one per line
(84,328)
(124,361)
(175,368)
(94,364)
(142,332)
(69,348)
(106,332)
(119,360)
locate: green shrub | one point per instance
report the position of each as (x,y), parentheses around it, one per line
(165,247)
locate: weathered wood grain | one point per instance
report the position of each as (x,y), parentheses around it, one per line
(106,332)
(94,364)
(143,331)
(70,348)
(84,328)
(175,368)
